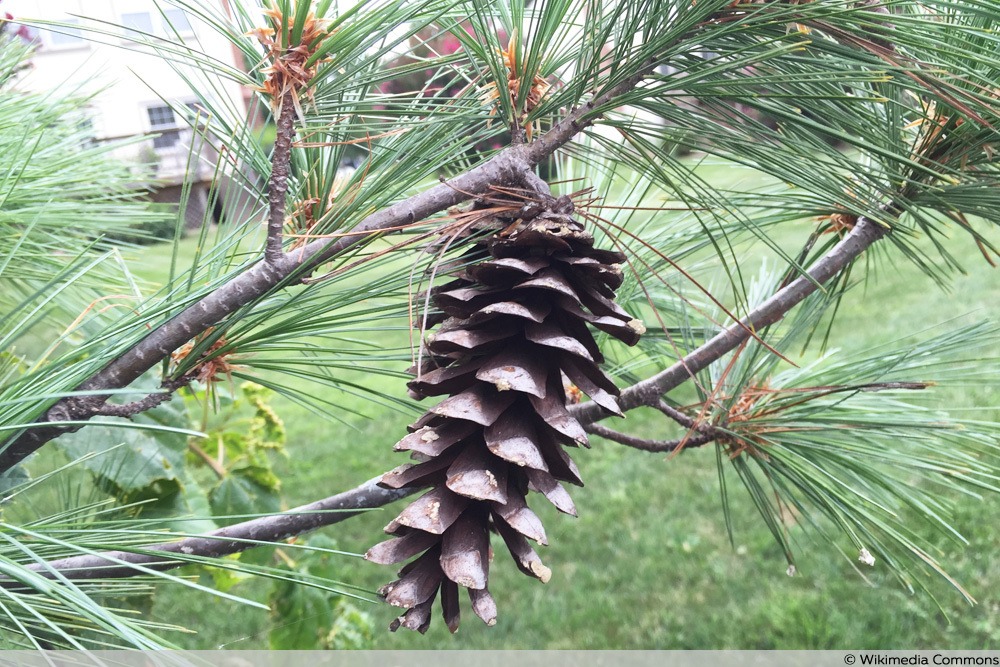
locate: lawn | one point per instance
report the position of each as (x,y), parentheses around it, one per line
(648,563)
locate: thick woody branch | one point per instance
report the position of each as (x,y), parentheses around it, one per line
(506,168)
(277,188)
(223,542)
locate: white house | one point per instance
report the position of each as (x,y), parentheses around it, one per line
(135,91)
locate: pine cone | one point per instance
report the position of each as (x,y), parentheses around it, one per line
(513,330)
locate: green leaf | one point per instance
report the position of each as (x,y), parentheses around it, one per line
(240,494)
(133,465)
(353,629)
(223,578)
(302,616)
(186,511)
(316,618)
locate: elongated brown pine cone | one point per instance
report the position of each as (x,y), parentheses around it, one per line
(513,331)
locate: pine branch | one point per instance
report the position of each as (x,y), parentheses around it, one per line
(246,535)
(509,167)
(223,542)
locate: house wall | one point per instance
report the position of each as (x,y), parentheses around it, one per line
(126,81)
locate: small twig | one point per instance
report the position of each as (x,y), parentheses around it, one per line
(890,386)
(216,467)
(148,403)
(814,393)
(278,184)
(645,445)
(135,407)
(678,416)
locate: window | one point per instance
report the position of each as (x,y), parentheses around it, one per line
(66,36)
(162,119)
(171,24)
(87,133)
(162,116)
(175,21)
(138,21)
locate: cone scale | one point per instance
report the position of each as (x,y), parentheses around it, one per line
(513,331)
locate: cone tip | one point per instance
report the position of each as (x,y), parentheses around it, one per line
(543,573)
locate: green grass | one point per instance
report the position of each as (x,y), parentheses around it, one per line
(648,563)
